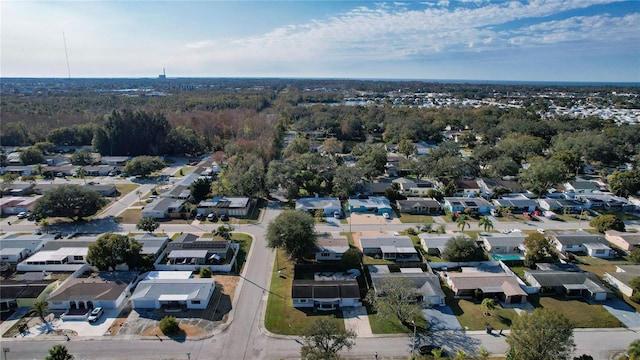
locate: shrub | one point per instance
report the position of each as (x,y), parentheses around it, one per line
(169,325)
(603,223)
(412,231)
(205,272)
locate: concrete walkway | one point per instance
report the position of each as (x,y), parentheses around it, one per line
(357,320)
(623,312)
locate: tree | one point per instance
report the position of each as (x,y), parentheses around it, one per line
(59,352)
(324,339)
(543,174)
(72,201)
(205,273)
(184,141)
(292,231)
(406,147)
(635,256)
(169,325)
(223,231)
(44,146)
(462,221)
(199,189)
(81,158)
(488,304)
(40,307)
(143,165)
(486,223)
(31,156)
(372,161)
(81,173)
(635,288)
(539,249)
(544,334)
(332,146)
(633,353)
(147,224)
(351,259)
(603,223)
(298,146)
(395,298)
(345,181)
(624,183)
(461,248)
(111,250)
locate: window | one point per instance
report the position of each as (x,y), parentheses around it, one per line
(195,302)
(78,257)
(324,254)
(302,300)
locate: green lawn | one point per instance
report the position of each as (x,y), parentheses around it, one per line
(281,317)
(368,260)
(394,326)
(471,317)
(416,219)
(245,244)
(600,266)
(124,189)
(580,313)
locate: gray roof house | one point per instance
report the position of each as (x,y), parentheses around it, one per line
(311,205)
(325,295)
(393,248)
(434,244)
(415,205)
(331,247)
(427,286)
(578,241)
(162,208)
(501,285)
(104,289)
(623,240)
(189,293)
(498,243)
(568,283)
(621,278)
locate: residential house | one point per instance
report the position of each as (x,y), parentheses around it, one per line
(165,289)
(576,241)
(427,286)
(325,295)
(329,206)
(568,283)
(393,248)
(16,205)
(621,278)
(434,244)
(488,186)
(581,186)
(62,259)
(162,208)
(56,159)
(624,240)
(606,201)
(108,190)
(331,247)
(374,204)
(106,289)
(376,188)
(460,204)
(468,284)
(24,291)
(498,243)
(518,205)
(14,248)
(115,160)
(152,245)
(466,187)
(562,205)
(19,190)
(425,148)
(414,205)
(97,170)
(239,207)
(189,251)
(177,192)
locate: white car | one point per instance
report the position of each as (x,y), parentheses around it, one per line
(95,314)
(386,216)
(22,214)
(541,231)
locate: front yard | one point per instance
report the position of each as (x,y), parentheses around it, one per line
(471,315)
(281,317)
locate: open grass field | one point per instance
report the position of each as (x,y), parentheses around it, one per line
(580,313)
(393,326)
(124,189)
(416,219)
(281,317)
(471,315)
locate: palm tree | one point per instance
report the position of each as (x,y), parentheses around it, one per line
(139,193)
(59,352)
(488,305)
(633,353)
(460,355)
(40,308)
(462,222)
(224,231)
(81,173)
(44,224)
(39,168)
(486,223)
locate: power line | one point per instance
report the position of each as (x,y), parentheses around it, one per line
(66,53)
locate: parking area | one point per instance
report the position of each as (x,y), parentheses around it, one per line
(362,219)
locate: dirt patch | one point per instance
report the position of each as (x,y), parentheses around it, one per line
(187,330)
(228,284)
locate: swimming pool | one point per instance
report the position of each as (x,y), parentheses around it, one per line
(507,257)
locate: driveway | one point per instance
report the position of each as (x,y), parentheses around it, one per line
(623,312)
(441,318)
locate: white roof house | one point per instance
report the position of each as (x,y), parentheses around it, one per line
(63,259)
(192,293)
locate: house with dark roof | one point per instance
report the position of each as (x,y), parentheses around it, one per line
(622,277)
(426,286)
(239,207)
(517,205)
(106,289)
(624,240)
(24,292)
(415,205)
(190,251)
(392,248)
(465,187)
(489,185)
(572,284)
(330,247)
(434,244)
(325,295)
(581,186)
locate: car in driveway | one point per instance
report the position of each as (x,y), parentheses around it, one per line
(22,215)
(224,217)
(95,314)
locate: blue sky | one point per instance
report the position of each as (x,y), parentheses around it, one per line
(520,40)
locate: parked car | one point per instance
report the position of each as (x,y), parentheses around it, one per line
(336,214)
(199,217)
(95,314)
(22,214)
(386,216)
(224,217)
(212,217)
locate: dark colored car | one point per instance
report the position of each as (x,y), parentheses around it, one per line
(427,350)
(224,217)
(199,217)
